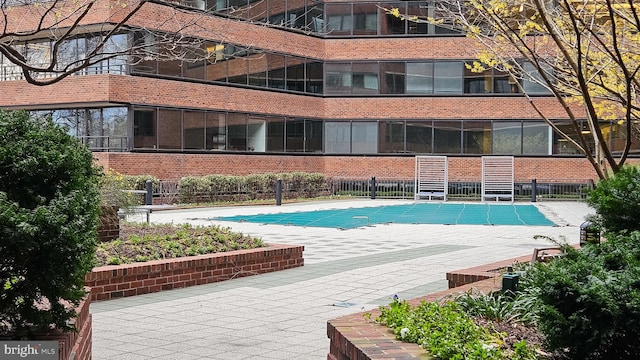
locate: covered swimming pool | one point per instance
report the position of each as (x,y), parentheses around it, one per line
(416,213)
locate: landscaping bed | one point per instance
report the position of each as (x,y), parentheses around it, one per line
(144,242)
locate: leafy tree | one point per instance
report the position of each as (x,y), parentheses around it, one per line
(49,202)
(586,53)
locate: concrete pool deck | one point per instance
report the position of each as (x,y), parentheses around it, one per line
(283,315)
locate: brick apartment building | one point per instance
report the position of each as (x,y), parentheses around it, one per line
(338,87)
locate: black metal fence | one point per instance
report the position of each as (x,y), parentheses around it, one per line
(460,190)
(168,192)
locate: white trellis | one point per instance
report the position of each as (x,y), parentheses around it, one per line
(497,178)
(431,177)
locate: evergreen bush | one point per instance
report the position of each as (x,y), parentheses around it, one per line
(616,201)
(589,300)
(49,203)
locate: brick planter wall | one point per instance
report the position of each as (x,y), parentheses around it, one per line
(114,281)
(109,227)
(73,345)
(353,337)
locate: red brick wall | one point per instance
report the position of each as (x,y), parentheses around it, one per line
(74,345)
(175,166)
(114,281)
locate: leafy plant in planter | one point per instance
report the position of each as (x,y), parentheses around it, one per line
(48,216)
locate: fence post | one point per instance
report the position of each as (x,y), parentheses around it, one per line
(373,187)
(148,197)
(534,190)
(279,192)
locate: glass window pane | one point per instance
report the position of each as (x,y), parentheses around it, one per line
(393,81)
(313,135)
(38,54)
(237,132)
(338,79)
(503,83)
(169,129)
(447,137)
(447,78)
(277,66)
(256,133)
(95,134)
(337,137)
(67,54)
(562,145)
(116,44)
(69,119)
(144,128)
(275,133)
(365,19)
(507,137)
(237,67)
(477,82)
(390,24)
(365,78)
(339,19)
(216,134)
(194,129)
(314,78)
(533,86)
(419,9)
(391,137)
(364,137)
(477,137)
(194,66)
(115,124)
(314,18)
(295,135)
(420,137)
(535,138)
(257,63)
(619,135)
(295,73)
(419,78)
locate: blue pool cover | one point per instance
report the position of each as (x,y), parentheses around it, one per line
(418,213)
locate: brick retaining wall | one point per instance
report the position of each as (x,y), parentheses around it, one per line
(114,281)
(73,345)
(353,337)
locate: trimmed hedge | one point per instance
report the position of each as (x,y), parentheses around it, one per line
(213,188)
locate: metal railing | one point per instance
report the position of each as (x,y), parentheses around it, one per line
(461,190)
(168,191)
(105,143)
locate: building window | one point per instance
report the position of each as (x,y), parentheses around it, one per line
(391,137)
(420,78)
(447,77)
(420,137)
(447,137)
(337,137)
(364,137)
(507,138)
(536,137)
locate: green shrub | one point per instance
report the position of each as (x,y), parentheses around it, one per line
(499,306)
(444,330)
(590,299)
(212,188)
(616,201)
(49,203)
